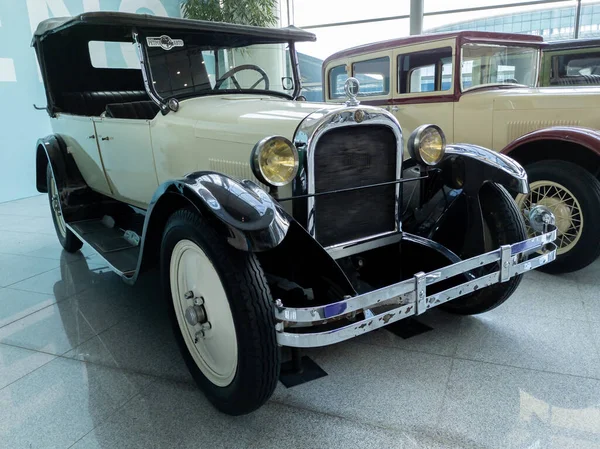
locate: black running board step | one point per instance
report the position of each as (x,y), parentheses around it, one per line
(108,243)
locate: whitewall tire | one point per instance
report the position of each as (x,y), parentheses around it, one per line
(222,314)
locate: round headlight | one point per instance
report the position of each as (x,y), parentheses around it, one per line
(427,144)
(274,161)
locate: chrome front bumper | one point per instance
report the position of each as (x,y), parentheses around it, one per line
(409,297)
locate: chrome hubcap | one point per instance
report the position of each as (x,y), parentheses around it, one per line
(195,315)
(563,204)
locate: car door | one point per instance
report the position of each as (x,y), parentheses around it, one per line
(126,150)
(79,135)
(424,86)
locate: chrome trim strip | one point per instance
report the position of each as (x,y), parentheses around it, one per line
(317,339)
(412,290)
(122,274)
(492,158)
(375,297)
(146,76)
(320,122)
(362,245)
(414,307)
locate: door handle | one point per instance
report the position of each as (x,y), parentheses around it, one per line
(394,108)
(106,138)
(92,136)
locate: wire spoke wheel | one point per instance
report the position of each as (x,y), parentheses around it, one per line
(563,204)
(56,210)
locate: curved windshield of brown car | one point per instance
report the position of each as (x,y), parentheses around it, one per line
(180,68)
(486,65)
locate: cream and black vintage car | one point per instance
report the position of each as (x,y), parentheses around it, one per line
(489,89)
(275,222)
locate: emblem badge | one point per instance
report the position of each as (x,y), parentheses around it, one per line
(164,42)
(359,116)
(351,88)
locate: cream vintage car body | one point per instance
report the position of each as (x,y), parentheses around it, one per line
(275,222)
(482,88)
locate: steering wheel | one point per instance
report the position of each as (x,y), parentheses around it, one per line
(231,74)
(511,80)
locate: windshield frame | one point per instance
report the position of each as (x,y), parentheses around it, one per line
(162,101)
(499,85)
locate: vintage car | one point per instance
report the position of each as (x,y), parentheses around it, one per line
(274,221)
(481,88)
(573,62)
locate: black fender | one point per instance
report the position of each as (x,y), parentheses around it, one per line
(77,200)
(464,170)
(240,211)
(476,165)
(53,150)
(250,220)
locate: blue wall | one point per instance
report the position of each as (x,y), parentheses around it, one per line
(20,85)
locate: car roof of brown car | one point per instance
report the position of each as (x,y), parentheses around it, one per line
(481,36)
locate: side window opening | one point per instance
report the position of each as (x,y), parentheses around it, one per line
(337,78)
(373,75)
(113,55)
(425,71)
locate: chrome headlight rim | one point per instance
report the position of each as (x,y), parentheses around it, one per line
(256,166)
(415,140)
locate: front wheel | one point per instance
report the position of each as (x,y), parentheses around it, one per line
(573,195)
(503,226)
(222,313)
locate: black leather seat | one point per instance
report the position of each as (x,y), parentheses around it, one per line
(94,103)
(144,110)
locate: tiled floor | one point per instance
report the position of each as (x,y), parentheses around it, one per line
(88,362)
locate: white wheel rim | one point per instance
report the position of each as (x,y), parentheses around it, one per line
(56,210)
(564,206)
(215,353)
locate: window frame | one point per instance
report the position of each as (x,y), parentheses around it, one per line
(431,46)
(373,57)
(329,92)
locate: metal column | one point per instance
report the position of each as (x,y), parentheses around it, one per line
(416,16)
(577,19)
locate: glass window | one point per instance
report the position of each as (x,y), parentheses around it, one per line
(498,64)
(113,55)
(425,71)
(198,68)
(422,79)
(584,65)
(373,75)
(337,78)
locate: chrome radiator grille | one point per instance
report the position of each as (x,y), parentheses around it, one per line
(349,157)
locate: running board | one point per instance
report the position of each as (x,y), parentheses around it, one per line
(109,243)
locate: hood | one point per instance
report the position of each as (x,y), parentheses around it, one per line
(246,118)
(547,98)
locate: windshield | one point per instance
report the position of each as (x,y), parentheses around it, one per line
(184,67)
(498,64)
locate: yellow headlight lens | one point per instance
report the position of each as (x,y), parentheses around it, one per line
(431,146)
(427,144)
(275,161)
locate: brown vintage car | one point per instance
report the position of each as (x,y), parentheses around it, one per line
(483,88)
